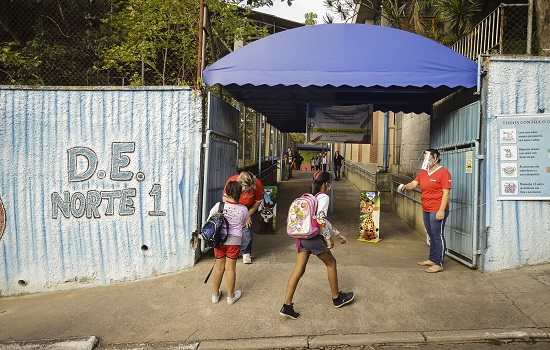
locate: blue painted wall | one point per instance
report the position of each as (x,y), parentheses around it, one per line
(97,185)
(516,233)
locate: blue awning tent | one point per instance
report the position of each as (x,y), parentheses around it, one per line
(340,64)
(308,147)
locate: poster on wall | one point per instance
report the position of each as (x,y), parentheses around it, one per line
(524,156)
(267,212)
(369,217)
(339,124)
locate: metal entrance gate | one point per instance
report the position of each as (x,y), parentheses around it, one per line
(220,151)
(456,135)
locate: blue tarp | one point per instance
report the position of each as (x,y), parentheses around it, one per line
(340,64)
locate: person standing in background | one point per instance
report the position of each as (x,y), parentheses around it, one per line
(289,159)
(338,159)
(435,182)
(298,159)
(251,197)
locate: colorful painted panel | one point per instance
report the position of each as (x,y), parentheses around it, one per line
(267,212)
(369,219)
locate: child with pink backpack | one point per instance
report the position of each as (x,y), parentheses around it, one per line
(313,238)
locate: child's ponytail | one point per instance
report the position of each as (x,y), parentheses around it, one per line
(319,178)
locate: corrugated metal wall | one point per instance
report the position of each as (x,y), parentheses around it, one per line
(517,232)
(98,185)
(456,134)
(223,124)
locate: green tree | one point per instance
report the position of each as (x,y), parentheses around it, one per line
(542,10)
(158,38)
(310,18)
(51,42)
(457,14)
(441,20)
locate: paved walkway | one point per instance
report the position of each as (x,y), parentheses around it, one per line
(396,301)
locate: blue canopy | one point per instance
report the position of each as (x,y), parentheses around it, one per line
(340,64)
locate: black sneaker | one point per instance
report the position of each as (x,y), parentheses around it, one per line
(343,299)
(288,311)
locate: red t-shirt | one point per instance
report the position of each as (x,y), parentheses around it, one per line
(249,197)
(432,188)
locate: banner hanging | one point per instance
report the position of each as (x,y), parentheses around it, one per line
(339,124)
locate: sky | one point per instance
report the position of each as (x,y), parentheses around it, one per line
(297,10)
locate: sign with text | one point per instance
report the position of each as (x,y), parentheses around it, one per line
(524,156)
(339,124)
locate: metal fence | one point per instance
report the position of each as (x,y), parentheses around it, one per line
(509,30)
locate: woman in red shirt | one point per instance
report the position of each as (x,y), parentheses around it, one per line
(251,197)
(435,182)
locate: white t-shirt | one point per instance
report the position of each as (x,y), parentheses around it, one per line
(323,200)
(237,215)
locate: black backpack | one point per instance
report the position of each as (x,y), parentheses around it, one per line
(211,231)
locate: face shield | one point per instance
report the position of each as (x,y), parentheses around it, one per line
(426,163)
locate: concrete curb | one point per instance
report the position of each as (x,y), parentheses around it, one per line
(395,338)
(526,334)
(303,342)
(53,344)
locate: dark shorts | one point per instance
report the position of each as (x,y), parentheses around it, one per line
(315,245)
(230,251)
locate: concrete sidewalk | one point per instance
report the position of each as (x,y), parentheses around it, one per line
(396,301)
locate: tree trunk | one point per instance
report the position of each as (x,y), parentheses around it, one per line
(542,11)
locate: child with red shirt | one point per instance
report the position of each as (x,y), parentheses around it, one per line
(435,182)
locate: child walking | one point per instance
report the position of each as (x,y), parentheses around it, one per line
(227,254)
(320,246)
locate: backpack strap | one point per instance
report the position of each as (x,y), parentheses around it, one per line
(220,210)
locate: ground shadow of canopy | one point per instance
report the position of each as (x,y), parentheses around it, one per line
(340,64)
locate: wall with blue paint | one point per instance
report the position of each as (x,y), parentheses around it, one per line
(516,233)
(97,185)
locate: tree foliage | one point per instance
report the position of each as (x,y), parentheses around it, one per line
(441,20)
(43,41)
(158,38)
(116,42)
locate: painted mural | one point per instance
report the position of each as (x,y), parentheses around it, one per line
(99,186)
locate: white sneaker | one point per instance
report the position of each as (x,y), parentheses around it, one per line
(247,259)
(233,300)
(216,298)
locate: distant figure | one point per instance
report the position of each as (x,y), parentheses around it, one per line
(298,159)
(289,160)
(338,159)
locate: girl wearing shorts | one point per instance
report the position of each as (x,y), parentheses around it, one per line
(227,254)
(320,246)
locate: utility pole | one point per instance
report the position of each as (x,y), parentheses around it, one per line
(199,45)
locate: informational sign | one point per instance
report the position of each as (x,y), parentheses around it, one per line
(339,124)
(524,156)
(369,218)
(469,162)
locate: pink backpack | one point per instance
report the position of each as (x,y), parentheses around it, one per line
(302,217)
